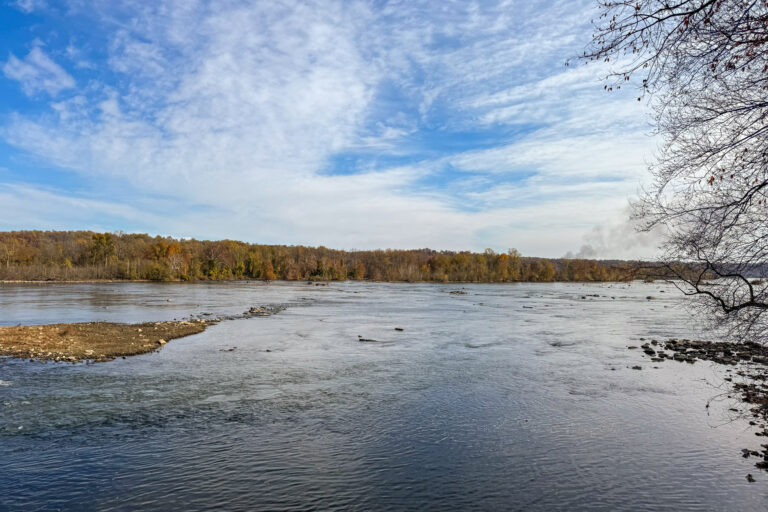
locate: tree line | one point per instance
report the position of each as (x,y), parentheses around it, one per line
(85,255)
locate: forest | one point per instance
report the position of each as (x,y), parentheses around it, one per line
(85,255)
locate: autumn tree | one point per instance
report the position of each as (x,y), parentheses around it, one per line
(359,274)
(268,271)
(176,261)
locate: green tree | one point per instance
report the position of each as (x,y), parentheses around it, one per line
(102,248)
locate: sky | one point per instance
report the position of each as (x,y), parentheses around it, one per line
(452,125)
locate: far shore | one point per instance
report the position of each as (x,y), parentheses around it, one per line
(76,281)
(305,281)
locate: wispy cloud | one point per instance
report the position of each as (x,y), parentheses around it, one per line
(23,206)
(37,73)
(242,110)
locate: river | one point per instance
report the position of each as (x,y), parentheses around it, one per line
(505,397)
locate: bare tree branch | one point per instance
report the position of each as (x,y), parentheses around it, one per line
(703,64)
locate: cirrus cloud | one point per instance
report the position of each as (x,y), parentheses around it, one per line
(348,124)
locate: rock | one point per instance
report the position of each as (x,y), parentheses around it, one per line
(750,478)
(637,367)
(631,347)
(399,329)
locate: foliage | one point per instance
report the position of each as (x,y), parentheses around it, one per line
(73,255)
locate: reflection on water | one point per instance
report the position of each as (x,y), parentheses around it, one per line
(508,397)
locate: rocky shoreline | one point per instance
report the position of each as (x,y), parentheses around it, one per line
(106,341)
(748,364)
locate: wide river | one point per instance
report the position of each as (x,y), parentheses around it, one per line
(508,397)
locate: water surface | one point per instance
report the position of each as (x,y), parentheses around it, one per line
(513,397)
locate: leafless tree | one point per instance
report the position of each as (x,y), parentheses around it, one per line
(703,65)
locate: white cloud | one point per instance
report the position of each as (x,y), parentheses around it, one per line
(237,108)
(37,72)
(588,157)
(23,206)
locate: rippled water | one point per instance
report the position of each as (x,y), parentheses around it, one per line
(513,397)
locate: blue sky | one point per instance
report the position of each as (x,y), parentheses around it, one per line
(451,125)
